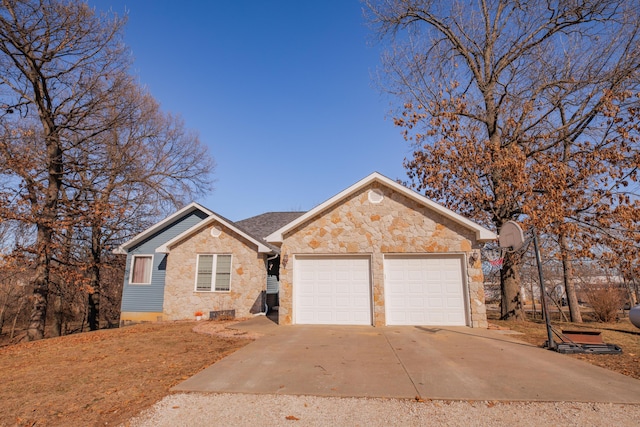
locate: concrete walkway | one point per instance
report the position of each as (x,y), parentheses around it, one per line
(452,363)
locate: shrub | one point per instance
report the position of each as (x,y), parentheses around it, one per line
(606,302)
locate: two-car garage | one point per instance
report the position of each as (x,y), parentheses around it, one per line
(418,290)
(378,253)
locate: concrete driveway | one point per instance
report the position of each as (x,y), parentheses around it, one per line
(452,363)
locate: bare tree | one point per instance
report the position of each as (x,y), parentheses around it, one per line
(494,90)
(12,289)
(144,161)
(88,158)
(591,197)
(58,59)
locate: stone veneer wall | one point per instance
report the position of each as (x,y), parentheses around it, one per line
(248,276)
(394,226)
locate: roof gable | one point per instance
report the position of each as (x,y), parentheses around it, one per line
(262,246)
(123,248)
(482,234)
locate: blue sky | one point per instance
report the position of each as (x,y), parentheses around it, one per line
(280,91)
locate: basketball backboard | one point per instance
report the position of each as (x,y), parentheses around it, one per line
(511,236)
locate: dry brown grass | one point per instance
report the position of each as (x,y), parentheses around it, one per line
(103,377)
(107,377)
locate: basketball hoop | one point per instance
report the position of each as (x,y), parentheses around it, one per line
(495,257)
(496,263)
(511,238)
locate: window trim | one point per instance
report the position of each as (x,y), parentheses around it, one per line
(212,285)
(132,267)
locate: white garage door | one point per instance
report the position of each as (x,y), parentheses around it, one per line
(424,291)
(332,291)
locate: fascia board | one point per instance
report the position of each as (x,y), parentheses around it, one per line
(122,249)
(166,247)
(482,234)
(277,236)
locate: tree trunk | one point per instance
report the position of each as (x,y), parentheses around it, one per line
(57,314)
(37,320)
(636,289)
(3,311)
(15,318)
(631,296)
(94,310)
(47,218)
(511,303)
(94,273)
(569,282)
(533,301)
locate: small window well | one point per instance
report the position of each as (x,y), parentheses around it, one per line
(375,196)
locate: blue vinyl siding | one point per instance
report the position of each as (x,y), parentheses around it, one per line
(150,298)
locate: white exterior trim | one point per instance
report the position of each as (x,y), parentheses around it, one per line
(122,249)
(212,285)
(166,248)
(482,234)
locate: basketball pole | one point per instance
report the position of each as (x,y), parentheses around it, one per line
(551,345)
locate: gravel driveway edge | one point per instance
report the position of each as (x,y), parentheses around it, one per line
(192,409)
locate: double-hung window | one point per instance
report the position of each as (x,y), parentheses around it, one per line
(213,273)
(141,269)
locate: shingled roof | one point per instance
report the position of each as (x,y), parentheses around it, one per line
(266,223)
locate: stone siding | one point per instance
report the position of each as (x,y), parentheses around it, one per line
(396,225)
(248,276)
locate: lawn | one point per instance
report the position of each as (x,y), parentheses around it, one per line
(103,377)
(107,377)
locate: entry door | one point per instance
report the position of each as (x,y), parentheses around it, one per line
(332,290)
(424,290)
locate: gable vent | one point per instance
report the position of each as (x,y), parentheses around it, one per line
(375,196)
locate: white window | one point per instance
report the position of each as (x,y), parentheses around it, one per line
(141,269)
(213,273)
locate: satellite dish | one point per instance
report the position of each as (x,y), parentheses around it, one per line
(511,236)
